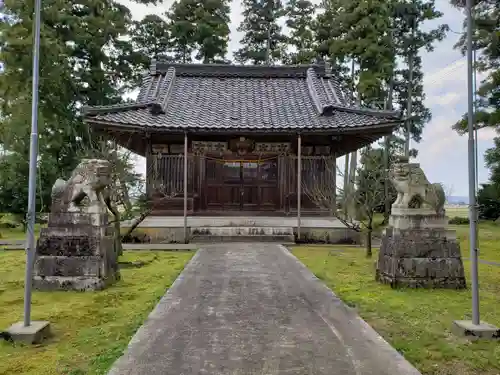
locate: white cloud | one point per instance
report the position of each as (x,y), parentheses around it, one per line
(438,78)
(447,99)
(486,134)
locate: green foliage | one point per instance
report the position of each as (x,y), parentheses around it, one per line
(359,30)
(201,26)
(492,160)
(374,35)
(409,39)
(262,32)
(84,60)
(212,30)
(370,183)
(486,41)
(488,200)
(151,39)
(182,29)
(9,221)
(458,220)
(300,22)
(91,53)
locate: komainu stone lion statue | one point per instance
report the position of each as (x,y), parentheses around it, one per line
(90,179)
(414,189)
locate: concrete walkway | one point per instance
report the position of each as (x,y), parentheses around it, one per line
(255,309)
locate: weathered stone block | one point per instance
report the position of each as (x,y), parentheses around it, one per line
(76,251)
(68,266)
(420,243)
(80,284)
(420,258)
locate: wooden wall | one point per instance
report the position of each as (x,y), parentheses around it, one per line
(166,177)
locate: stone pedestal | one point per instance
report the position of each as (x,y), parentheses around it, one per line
(418,250)
(76,252)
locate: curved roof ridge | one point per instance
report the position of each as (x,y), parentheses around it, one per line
(233,70)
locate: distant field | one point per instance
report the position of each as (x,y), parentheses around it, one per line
(460,211)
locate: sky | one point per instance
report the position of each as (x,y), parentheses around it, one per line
(442,153)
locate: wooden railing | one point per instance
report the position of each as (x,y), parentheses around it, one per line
(168,175)
(316,171)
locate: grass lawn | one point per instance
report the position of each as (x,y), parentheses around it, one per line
(489,241)
(16,233)
(417,322)
(460,211)
(91,329)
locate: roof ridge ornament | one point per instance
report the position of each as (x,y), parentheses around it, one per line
(153,67)
(328,70)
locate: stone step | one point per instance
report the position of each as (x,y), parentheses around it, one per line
(242,231)
(209,238)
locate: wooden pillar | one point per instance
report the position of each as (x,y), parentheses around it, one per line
(334,178)
(346,185)
(299,181)
(186,239)
(149,167)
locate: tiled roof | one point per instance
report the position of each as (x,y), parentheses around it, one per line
(226,97)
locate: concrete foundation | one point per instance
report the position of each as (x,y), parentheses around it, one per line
(76,252)
(418,250)
(170,229)
(420,258)
(482,331)
(35,333)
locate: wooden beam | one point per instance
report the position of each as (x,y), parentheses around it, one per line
(186,239)
(149,167)
(299,182)
(334,177)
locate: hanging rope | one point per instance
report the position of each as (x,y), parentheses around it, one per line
(258,161)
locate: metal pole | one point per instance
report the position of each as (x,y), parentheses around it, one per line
(472,175)
(475,127)
(185,186)
(30,234)
(476,161)
(299,182)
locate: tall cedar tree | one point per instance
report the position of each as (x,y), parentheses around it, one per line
(263,40)
(201,27)
(212,30)
(84,60)
(359,30)
(300,21)
(151,40)
(182,17)
(409,40)
(486,42)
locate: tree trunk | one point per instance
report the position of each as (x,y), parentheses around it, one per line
(369,233)
(368,243)
(387,146)
(137,221)
(117,239)
(387,204)
(410,95)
